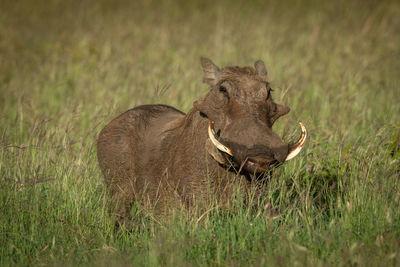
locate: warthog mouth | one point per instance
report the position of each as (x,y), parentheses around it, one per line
(253,165)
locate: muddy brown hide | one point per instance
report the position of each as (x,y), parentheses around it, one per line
(156,154)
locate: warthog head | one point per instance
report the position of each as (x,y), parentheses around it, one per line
(241,113)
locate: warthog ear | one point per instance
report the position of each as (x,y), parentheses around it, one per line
(211,71)
(260,68)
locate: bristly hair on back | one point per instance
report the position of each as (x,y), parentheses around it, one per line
(239,70)
(232,72)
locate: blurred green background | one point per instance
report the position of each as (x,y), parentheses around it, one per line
(69,67)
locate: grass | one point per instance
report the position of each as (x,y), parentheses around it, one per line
(68,67)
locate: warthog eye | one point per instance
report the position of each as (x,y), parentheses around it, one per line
(275,108)
(269,93)
(203,115)
(222,89)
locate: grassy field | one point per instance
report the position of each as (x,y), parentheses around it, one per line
(68,67)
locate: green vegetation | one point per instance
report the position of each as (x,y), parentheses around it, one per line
(68,67)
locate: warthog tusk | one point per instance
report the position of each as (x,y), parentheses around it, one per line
(216,143)
(296,147)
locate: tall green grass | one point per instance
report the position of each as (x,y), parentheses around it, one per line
(68,67)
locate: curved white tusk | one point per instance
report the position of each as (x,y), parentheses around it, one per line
(216,143)
(296,147)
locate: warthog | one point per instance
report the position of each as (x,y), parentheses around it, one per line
(153,153)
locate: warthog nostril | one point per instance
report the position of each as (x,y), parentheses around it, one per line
(260,164)
(261,161)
